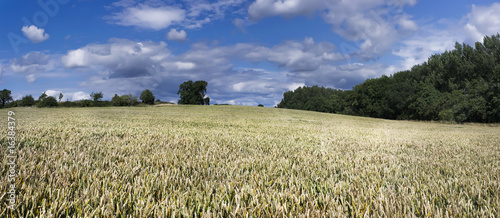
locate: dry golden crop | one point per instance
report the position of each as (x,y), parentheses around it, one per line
(207,161)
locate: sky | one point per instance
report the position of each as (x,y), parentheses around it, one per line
(250,52)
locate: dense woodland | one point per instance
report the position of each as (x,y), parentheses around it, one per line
(462,85)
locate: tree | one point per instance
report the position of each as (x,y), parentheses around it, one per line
(43,96)
(60,96)
(5,96)
(96,96)
(27,101)
(48,102)
(147,97)
(260,105)
(117,101)
(193,93)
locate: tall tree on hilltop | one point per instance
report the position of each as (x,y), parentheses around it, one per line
(193,93)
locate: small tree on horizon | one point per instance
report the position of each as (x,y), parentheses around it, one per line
(60,97)
(193,93)
(48,102)
(27,101)
(147,97)
(96,96)
(5,96)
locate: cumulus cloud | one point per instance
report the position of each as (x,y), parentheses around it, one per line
(482,21)
(157,15)
(31,64)
(175,35)
(148,17)
(358,20)
(35,34)
(80,95)
(265,8)
(119,57)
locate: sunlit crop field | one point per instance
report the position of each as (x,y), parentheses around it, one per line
(207,161)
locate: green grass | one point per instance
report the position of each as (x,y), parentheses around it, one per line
(239,161)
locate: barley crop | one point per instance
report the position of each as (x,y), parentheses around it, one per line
(220,161)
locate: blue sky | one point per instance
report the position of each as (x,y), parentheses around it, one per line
(249,52)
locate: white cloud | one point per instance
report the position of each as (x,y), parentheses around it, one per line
(31,78)
(76,58)
(356,20)
(157,15)
(173,34)
(80,95)
(265,8)
(35,34)
(149,17)
(123,58)
(32,65)
(53,93)
(185,65)
(482,21)
(240,24)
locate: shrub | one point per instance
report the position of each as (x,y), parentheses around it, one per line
(48,102)
(86,103)
(27,101)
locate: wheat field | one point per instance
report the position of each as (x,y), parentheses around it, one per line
(220,161)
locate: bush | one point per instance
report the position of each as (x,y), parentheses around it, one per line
(48,102)
(69,104)
(260,105)
(27,101)
(117,101)
(86,103)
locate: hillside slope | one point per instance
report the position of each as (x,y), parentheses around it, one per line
(235,160)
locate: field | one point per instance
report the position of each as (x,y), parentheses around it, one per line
(246,161)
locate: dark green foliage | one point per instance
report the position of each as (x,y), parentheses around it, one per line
(48,102)
(124,100)
(193,93)
(312,98)
(117,101)
(147,97)
(27,101)
(96,96)
(15,103)
(86,103)
(462,85)
(260,105)
(5,96)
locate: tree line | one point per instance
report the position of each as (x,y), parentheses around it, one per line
(190,93)
(461,85)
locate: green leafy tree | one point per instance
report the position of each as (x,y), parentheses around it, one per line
(27,101)
(60,96)
(193,93)
(117,101)
(147,97)
(48,102)
(96,96)
(5,96)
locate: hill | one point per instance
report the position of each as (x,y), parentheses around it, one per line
(238,161)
